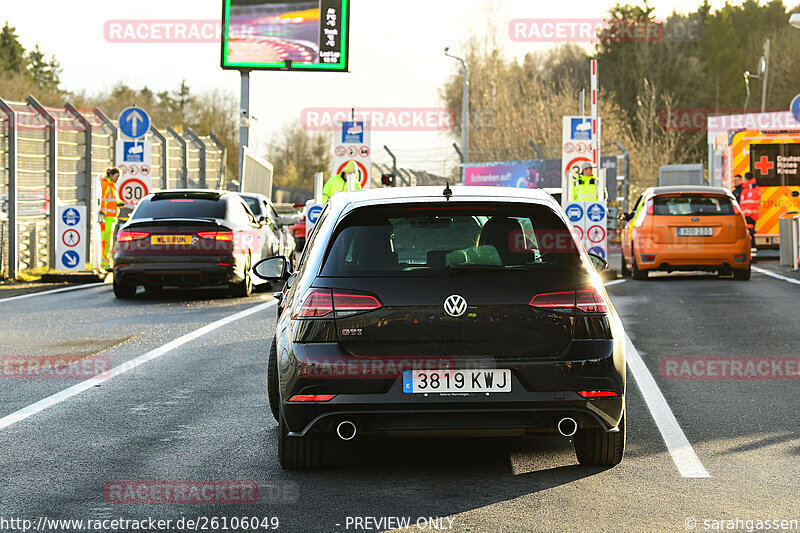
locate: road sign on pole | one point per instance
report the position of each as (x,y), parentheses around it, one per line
(71,243)
(351,140)
(312,215)
(134,159)
(577,137)
(795,107)
(134,122)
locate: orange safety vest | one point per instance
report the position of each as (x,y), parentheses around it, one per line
(750,199)
(108,198)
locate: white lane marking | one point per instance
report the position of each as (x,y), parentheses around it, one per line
(683,455)
(53,291)
(59,397)
(775,275)
(614,282)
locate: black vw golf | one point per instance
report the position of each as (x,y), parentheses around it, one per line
(445,312)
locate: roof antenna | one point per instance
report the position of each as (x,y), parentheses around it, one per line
(447,192)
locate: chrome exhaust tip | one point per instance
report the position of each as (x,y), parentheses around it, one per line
(346,430)
(567,427)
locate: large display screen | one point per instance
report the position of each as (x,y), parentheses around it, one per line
(307,35)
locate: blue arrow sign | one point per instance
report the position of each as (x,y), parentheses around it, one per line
(795,108)
(134,122)
(71,217)
(597,250)
(70,258)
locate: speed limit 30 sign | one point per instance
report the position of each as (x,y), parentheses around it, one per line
(132,190)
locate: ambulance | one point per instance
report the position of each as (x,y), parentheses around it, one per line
(774,139)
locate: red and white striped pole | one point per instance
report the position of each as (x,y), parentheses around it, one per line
(595,125)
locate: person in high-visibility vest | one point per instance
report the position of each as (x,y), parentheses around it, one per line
(338,182)
(584,185)
(750,202)
(109,210)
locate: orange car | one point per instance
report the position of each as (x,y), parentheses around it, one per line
(686,228)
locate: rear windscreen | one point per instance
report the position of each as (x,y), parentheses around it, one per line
(692,205)
(180,208)
(441,240)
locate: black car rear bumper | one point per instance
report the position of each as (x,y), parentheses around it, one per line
(542,393)
(386,415)
(182,271)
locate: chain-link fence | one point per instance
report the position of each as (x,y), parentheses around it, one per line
(56,156)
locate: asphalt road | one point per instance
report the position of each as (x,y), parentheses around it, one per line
(196,409)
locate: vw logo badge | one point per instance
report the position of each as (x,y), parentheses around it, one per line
(455,305)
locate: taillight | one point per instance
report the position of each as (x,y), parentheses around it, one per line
(650,206)
(312,397)
(216,235)
(346,303)
(598,393)
(318,303)
(128,236)
(590,301)
(587,301)
(554,301)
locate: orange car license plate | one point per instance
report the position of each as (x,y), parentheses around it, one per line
(696,232)
(159,240)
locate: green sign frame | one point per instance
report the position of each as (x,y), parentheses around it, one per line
(343,44)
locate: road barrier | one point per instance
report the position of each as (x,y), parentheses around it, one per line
(51,156)
(789,228)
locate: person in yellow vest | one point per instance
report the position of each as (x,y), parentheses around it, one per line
(109,209)
(584,185)
(338,182)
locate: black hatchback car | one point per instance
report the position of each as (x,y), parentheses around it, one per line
(187,238)
(465,311)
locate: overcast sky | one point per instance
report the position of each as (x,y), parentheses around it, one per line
(396,57)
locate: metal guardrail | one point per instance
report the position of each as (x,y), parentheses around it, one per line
(51,156)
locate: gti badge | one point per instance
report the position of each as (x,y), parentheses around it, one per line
(455,305)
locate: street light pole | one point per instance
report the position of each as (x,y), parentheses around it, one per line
(464,114)
(766,76)
(761,74)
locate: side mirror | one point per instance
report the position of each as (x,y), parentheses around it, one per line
(272,268)
(262,219)
(599,263)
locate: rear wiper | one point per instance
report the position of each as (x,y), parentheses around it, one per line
(184,218)
(471,267)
